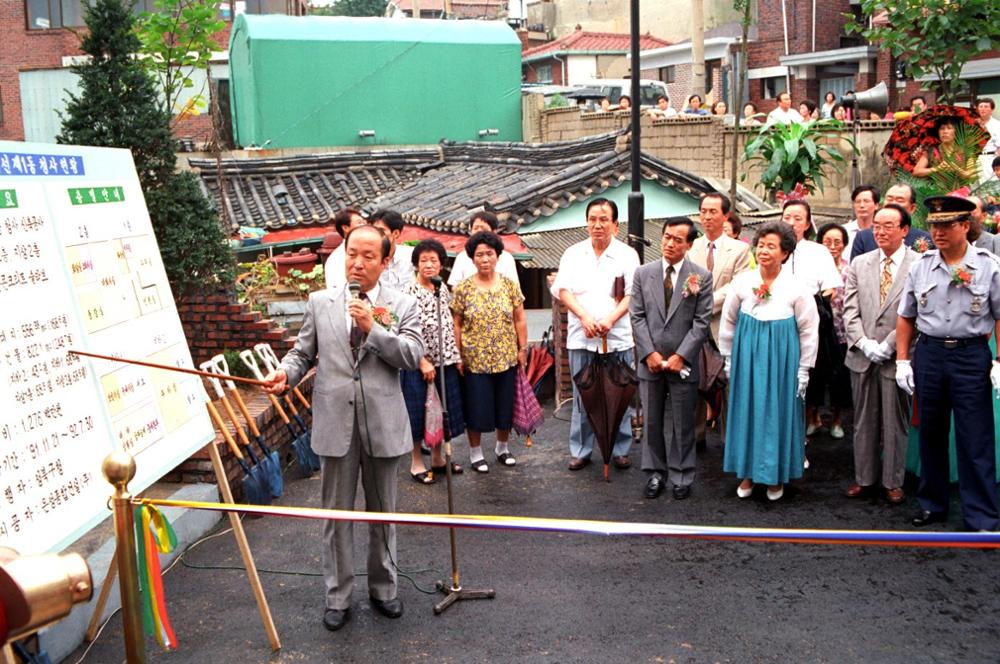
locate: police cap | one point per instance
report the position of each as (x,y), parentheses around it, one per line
(943,209)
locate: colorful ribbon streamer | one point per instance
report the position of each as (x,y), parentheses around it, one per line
(154,535)
(936,539)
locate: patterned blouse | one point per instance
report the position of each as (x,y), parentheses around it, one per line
(489,340)
(429,323)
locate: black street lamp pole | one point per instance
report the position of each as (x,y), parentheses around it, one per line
(636,204)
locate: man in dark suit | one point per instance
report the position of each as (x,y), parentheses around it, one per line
(920,241)
(671,313)
(360,425)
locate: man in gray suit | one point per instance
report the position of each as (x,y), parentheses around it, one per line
(881,410)
(671,312)
(978,236)
(358,344)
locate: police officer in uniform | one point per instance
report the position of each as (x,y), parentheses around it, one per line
(952,297)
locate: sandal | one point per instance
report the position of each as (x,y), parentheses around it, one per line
(506,459)
(479,466)
(426,477)
(443,468)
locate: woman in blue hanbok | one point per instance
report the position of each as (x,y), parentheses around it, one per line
(768,335)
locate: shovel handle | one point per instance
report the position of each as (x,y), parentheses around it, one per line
(217,384)
(270,360)
(221,367)
(251,364)
(224,430)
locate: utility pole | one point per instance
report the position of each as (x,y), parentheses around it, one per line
(636,203)
(698,49)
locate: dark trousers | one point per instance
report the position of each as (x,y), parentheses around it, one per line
(956,380)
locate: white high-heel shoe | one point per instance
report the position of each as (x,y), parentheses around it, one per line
(775,495)
(744,493)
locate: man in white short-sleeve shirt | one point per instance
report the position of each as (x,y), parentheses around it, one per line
(585,283)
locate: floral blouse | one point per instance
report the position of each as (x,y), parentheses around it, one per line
(489,340)
(429,323)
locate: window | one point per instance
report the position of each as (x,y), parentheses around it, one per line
(667,74)
(772,87)
(45,14)
(543,73)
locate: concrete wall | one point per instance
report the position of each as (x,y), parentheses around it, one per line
(703,146)
(670,20)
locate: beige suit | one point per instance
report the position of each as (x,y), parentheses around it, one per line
(881,409)
(359,424)
(731,258)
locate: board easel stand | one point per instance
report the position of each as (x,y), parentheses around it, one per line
(245,553)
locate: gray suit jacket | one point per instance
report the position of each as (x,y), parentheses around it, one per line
(989,242)
(681,330)
(372,392)
(864,316)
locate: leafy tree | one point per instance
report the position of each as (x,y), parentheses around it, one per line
(118,106)
(352,8)
(117,103)
(746,18)
(178,39)
(934,36)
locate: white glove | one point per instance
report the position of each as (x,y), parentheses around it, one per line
(995,377)
(872,350)
(904,376)
(725,367)
(800,391)
(886,351)
(684,373)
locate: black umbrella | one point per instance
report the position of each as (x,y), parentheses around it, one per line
(606,387)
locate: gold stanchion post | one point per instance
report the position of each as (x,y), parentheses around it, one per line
(119,469)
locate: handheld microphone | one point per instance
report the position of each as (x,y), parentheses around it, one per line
(436,281)
(355,288)
(639,238)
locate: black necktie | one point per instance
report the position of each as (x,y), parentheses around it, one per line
(668,288)
(357,336)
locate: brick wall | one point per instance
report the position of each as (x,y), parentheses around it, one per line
(24,50)
(215,322)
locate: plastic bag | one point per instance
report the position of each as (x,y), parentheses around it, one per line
(433,418)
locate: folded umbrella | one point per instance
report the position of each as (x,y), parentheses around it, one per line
(606,386)
(528,415)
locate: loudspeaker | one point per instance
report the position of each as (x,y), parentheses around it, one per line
(874,99)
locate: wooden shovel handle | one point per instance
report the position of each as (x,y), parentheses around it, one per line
(223,429)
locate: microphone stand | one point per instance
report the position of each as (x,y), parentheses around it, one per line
(455,592)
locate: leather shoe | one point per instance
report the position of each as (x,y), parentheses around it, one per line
(856,491)
(621,462)
(334,619)
(654,487)
(390,608)
(578,463)
(926,518)
(681,492)
(895,496)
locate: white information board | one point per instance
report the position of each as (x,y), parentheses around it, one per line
(80,269)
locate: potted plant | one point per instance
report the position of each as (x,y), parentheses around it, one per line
(795,154)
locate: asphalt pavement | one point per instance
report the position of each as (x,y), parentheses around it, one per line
(579,598)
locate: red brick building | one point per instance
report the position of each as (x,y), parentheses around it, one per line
(38,47)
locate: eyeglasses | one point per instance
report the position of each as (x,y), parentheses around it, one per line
(942,225)
(885,228)
(832,242)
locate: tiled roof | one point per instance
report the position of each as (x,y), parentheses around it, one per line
(582,41)
(547,248)
(437,188)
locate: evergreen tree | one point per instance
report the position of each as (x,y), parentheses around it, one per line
(120,106)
